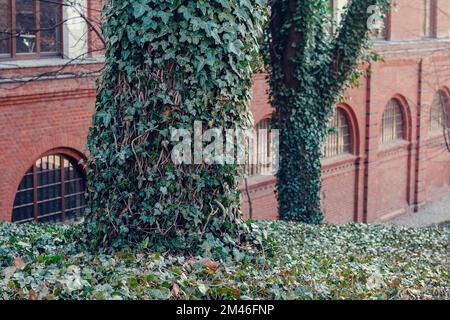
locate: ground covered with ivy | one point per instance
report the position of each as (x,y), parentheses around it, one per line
(292,261)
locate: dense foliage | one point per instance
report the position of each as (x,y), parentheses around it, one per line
(309,65)
(298,261)
(168,64)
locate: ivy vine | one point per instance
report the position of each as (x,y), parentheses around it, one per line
(309,66)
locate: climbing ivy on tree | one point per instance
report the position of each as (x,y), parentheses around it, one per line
(169,63)
(309,66)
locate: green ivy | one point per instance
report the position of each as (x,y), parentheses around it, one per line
(309,67)
(169,63)
(353,261)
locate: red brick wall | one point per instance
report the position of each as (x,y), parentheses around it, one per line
(442,18)
(339,191)
(260,105)
(437,168)
(378,182)
(38,117)
(406,21)
(264,203)
(95,45)
(407,18)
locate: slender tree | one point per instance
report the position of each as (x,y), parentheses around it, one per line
(309,65)
(169,64)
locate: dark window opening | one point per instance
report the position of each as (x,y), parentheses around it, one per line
(438,114)
(30,29)
(52,191)
(392,127)
(261,157)
(5,27)
(339,141)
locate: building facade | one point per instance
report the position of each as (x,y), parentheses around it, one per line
(50,58)
(386,155)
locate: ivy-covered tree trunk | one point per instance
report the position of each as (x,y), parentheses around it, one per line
(309,66)
(168,64)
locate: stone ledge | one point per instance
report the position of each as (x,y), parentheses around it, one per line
(49,62)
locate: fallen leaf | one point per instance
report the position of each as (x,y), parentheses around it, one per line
(167,113)
(33,295)
(214,266)
(175,290)
(19,263)
(8,272)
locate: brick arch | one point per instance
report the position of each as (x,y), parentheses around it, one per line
(351,117)
(267,116)
(406,113)
(354,126)
(395,170)
(446,91)
(62,144)
(429,107)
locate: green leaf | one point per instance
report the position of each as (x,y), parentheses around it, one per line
(139,9)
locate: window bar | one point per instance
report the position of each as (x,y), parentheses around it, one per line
(266,147)
(35,204)
(38,29)
(60,28)
(337,149)
(255,152)
(13,29)
(390,125)
(261,145)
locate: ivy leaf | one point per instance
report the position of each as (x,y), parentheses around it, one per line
(235,47)
(138,9)
(215,34)
(159,294)
(104,117)
(165,16)
(202,288)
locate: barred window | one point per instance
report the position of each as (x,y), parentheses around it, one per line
(339,141)
(428,21)
(260,158)
(52,191)
(438,113)
(392,127)
(30,29)
(5,27)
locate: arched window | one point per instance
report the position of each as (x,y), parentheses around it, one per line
(438,113)
(339,141)
(261,157)
(53,190)
(392,127)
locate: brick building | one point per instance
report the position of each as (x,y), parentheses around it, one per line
(386,157)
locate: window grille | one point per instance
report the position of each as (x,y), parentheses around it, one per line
(392,127)
(53,190)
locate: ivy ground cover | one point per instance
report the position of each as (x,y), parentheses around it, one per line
(295,261)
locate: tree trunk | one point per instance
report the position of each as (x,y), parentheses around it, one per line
(167,66)
(308,68)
